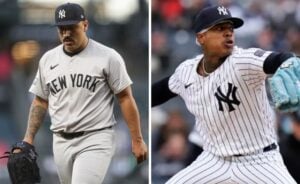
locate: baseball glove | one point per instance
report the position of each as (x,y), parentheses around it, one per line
(22,166)
(285,86)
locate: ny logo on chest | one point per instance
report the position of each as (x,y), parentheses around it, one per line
(230,98)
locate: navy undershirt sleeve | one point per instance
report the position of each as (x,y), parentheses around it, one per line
(161,92)
(274,60)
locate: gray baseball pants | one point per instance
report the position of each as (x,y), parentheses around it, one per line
(84,159)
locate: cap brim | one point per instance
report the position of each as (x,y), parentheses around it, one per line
(237,22)
(67,23)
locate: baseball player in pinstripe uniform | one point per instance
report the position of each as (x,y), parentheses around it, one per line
(225,90)
(76,81)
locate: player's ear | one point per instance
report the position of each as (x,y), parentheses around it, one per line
(200,38)
(85,25)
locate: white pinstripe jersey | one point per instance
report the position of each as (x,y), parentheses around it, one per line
(231,108)
(80,89)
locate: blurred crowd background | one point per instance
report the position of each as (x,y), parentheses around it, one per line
(268,24)
(26,34)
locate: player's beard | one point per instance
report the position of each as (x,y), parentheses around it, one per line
(70,45)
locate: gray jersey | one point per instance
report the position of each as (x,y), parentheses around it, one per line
(232,112)
(80,89)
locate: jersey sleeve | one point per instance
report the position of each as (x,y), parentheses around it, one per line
(249,64)
(175,83)
(118,78)
(183,75)
(39,87)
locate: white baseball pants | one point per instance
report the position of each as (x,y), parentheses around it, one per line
(263,168)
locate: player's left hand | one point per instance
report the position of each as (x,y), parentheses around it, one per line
(22,163)
(139,150)
(285,86)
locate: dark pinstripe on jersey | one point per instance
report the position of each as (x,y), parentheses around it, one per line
(265,168)
(230,105)
(234,121)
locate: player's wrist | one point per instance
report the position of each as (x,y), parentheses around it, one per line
(138,139)
(28,140)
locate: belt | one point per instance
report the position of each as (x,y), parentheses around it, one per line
(272,146)
(72,135)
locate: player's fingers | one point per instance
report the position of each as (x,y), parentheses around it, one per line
(141,158)
(139,150)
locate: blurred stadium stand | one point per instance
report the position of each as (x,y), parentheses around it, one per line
(269,24)
(26,33)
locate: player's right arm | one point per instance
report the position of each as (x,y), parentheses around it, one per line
(161,92)
(274,60)
(36,116)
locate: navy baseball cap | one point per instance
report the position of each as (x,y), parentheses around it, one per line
(68,14)
(214,15)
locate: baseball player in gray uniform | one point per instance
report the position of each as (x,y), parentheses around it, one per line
(224,88)
(76,82)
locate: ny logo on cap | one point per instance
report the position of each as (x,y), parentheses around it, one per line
(222,10)
(62,14)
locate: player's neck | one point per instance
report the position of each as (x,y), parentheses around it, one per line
(208,65)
